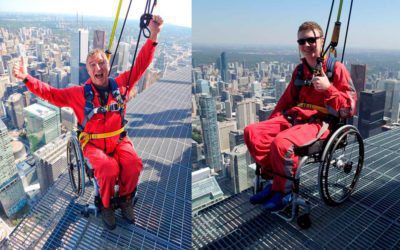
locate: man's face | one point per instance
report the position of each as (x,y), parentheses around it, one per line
(98,68)
(310,43)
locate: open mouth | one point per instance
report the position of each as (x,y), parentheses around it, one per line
(99,76)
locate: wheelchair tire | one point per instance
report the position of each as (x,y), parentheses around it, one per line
(304,221)
(76,166)
(341,165)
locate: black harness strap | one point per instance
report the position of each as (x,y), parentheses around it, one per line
(299,82)
(90,110)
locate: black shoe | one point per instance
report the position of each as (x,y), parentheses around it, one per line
(108,217)
(127,210)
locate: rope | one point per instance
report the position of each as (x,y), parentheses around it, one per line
(347,29)
(144,22)
(120,35)
(327,29)
(108,52)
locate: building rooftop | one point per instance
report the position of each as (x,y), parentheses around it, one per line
(369,219)
(206,187)
(159,126)
(40,110)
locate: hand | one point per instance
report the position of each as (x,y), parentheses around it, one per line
(19,71)
(155,26)
(321,83)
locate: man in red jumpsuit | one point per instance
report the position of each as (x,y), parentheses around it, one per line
(271,142)
(112,158)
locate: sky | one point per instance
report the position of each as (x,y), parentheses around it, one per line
(176,12)
(374,24)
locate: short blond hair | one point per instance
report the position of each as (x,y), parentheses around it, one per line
(96,52)
(311,25)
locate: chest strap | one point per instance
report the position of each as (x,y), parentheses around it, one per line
(84,137)
(89,109)
(315,107)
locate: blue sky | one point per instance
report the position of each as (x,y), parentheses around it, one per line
(177,12)
(374,24)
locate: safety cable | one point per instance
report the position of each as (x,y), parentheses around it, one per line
(144,22)
(327,29)
(347,29)
(120,35)
(108,51)
(336,32)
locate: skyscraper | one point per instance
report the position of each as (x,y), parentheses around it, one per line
(208,117)
(15,104)
(280,86)
(79,52)
(12,195)
(42,125)
(202,87)
(265,112)
(51,161)
(68,119)
(235,138)
(7,161)
(236,98)
(228,109)
(224,68)
(239,172)
(123,59)
(2,70)
(256,89)
(40,51)
(392,88)
(223,130)
(359,76)
(246,113)
(99,39)
(370,118)
(221,87)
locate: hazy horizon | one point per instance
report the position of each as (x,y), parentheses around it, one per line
(273,22)
(177,12)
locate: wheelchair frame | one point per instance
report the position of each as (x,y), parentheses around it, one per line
(321,151)
(78,167)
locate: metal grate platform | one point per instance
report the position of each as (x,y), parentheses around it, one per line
(369,219)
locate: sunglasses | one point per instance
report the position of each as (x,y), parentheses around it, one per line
(309,40)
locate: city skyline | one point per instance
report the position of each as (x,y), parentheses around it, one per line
(104,8)
(276,22)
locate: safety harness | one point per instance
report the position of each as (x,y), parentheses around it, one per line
(300,82)
(90,111)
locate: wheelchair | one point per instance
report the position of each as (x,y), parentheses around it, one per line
(78,167)
(340,158)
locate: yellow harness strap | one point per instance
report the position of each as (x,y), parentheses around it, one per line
(84,137)
(312,106)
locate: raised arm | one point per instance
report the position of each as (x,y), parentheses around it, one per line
(57,97)
(144,57)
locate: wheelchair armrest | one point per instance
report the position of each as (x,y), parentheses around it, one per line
(312,149)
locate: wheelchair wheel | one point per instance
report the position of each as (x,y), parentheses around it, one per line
(341,165)
(304,221)
(76,166)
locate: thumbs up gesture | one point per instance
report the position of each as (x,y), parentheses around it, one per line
(321,82)
(19,71)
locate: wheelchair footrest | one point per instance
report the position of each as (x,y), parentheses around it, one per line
(90,209)
(291,211)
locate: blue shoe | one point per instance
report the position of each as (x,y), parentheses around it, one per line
(275,203)
(262,196)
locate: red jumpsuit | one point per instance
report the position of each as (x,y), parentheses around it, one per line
(109,158)
(271,143)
